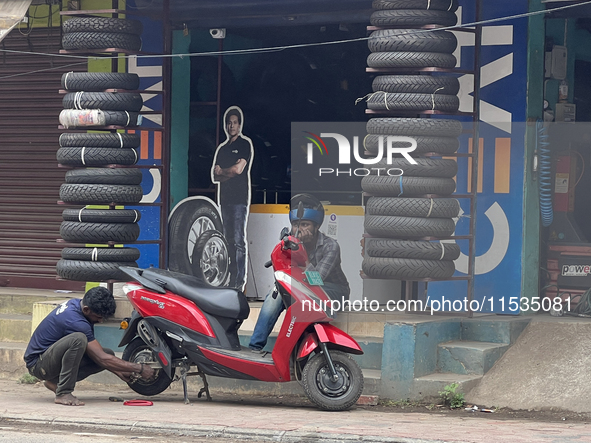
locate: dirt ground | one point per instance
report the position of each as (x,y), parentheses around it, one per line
(422,407)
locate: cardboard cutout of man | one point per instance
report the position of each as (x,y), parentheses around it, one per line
(231,171)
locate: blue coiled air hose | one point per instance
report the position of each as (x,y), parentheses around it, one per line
(545,174)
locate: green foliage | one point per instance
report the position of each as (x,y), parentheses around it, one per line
(28,379)
(451,396)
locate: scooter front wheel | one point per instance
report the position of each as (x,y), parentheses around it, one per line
(323,390)
(137,351)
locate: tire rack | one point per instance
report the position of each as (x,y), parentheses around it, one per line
(166,110)
(475,114)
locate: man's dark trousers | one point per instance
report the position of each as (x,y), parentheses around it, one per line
(65,362)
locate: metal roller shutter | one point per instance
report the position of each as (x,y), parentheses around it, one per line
(29,175)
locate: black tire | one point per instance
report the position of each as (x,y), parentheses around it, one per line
(100,194)
(411,186)
(101,254)
(439,145)
(433,127)
(210,261)
(99,81)
(438,5)
(81,270)
(406,268)
(417,60)
(139,352)
(106,101)
(101,40)
(424,250)
(413,102)
(413,207)
(107,176)
(425,167)
(408,227)
(187,223)
(77,232)
(102,215)
(74,118)
(412,17)
(329,395)
(96,156)
(410,40)
(105,140)
(102,24)
(416,84)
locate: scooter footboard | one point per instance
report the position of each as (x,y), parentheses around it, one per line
(332,336)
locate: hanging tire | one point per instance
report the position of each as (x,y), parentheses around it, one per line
(99,81)
(438,5)
(74,118)
(100,194)
(433,127)
(102,215)
(411,186)
(77,232)
(96,156)
(406,268)
(106,101)
(101,40)
(81,270)
(106,176)
(410,40)
(101,254)
(425,167)
(413,207)
(105,140)
(102,24)
(188,221)
(417,60)
(439,145)
(416,84)
(408,227)
(424,250)
(413,102)
(210,261)
(329,394)
(139,352)
(412,18)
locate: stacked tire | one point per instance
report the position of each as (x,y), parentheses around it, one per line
(410,204)
(100,176)
(95,33)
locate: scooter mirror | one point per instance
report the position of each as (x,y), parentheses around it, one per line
(284,232)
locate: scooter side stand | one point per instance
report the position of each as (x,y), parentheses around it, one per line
(204,389)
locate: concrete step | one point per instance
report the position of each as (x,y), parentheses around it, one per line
(429,386)
(15,327)
(12,365)
(493,329)
(468,357)
(21,301)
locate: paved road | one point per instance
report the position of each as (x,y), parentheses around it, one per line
(26,433)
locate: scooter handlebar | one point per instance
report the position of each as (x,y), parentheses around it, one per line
(269,264)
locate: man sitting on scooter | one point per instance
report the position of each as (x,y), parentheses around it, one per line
(63,349)
(324,256)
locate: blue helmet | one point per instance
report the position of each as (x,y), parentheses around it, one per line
(313,209)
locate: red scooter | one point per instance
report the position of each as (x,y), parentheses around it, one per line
(178,324)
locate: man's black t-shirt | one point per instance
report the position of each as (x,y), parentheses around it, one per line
(64,320)
(235,190)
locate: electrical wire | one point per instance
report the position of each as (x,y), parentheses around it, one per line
(582,170)
(545,176)
(302,45)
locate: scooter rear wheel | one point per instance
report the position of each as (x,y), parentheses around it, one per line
(137,351)
(332,395)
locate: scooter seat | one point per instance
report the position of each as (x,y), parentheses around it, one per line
(223,302)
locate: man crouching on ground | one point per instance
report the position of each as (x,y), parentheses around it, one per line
(63,349)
